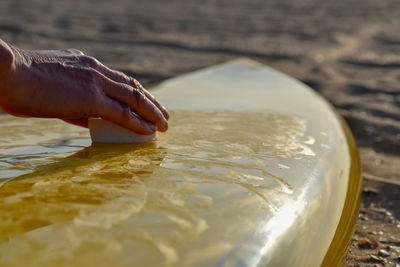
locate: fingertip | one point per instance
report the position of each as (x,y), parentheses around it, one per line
(162,125)
(164,128)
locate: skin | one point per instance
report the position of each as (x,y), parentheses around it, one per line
(71,86)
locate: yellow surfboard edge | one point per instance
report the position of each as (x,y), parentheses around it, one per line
(337,251)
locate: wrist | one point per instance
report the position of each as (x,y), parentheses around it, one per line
(6,59)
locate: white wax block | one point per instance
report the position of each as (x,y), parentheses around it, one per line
(103,131)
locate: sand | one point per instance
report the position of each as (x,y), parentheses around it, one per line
(349,51)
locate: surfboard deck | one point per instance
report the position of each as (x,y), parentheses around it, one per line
(255,170)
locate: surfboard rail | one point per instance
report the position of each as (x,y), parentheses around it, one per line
(337,251)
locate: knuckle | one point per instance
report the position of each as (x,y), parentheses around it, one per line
(136,83)
(89,61)
(121,74)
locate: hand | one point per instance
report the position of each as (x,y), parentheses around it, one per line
(69,85)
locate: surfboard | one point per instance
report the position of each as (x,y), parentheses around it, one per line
(256,169)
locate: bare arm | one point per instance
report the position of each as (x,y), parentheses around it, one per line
(69,85)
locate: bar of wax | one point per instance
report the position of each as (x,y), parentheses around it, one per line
(102,131)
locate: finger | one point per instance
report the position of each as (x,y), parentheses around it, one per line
(78,122)
(122,78)
(135,99)
(121,114)
(138,85)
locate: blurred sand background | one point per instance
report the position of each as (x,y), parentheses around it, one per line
(349,51)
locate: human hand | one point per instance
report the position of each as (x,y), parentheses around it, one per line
(69,85)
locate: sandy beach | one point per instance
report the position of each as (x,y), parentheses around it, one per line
(348,51)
